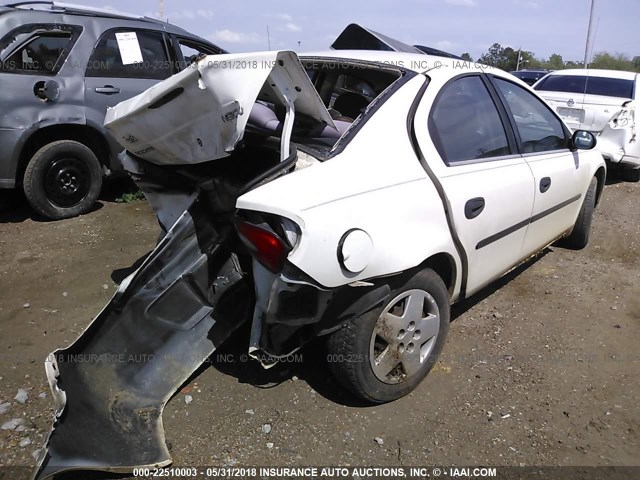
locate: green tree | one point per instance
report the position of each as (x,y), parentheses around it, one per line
(493,56)
(527,60)
(607,61)
(573,64)
(466,57)
(506,58)
(555,62)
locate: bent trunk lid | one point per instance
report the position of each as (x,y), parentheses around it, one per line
(201,113)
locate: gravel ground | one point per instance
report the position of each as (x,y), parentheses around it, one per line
(540,369)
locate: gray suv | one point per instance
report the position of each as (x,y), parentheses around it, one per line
(61,67)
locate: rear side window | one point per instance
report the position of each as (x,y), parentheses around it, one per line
(540,130)
(608,87)
(37,49)
(465,124)
(131,54)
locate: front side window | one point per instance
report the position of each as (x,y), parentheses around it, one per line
(36,49)
(131,54)
(540,130)
(465,124)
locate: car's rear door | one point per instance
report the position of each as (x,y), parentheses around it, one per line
(125,62)
(559,174)
(470,152)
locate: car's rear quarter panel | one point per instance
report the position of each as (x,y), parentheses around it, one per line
(376,184)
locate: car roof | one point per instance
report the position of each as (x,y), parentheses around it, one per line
(526,70)
(417,62)
(594,72)
(55,7)
(40,8)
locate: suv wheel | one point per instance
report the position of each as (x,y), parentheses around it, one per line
(382,358)
(63,179)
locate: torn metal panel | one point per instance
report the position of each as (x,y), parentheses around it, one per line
(112,384)
(291,309)
(357,37)
(201,114)
(618,140)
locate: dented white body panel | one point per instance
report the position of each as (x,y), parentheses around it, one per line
(372,185)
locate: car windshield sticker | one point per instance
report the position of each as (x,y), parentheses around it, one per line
(129,48)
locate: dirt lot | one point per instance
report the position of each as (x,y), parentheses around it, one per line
(542,369)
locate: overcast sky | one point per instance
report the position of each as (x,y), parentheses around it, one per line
(541,26)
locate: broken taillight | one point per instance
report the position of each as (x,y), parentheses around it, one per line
(624,118)
(264,245)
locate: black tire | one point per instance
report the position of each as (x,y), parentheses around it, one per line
(63,179)
(631,174)
(579,237)
(354,348)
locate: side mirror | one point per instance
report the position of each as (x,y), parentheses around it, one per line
(582,140)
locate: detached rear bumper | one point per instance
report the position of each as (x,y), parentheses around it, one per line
(112,384)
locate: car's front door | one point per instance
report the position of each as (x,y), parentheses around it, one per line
(559,174)
(124,63)
(470,149)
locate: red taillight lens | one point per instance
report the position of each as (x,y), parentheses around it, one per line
(266,247)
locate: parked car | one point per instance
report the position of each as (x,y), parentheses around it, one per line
(602,102)
(61,67)
(361,227)
(529,76)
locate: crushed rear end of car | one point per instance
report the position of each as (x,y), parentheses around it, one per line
(190,153)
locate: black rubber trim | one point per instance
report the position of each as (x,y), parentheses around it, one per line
(464,260)
(560,206)
(504,233)
(172,95)
(514,228)
(341,244)
(287,163)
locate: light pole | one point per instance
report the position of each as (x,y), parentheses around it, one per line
(586,47)
(521,61)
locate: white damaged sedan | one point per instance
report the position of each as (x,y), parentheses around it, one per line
(352,195)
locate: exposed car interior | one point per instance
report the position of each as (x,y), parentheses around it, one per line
(346,89)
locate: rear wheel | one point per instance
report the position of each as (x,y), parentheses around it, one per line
(63,179)
(383,357)
(579,237)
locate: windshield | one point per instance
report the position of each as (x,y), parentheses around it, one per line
(608,87)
